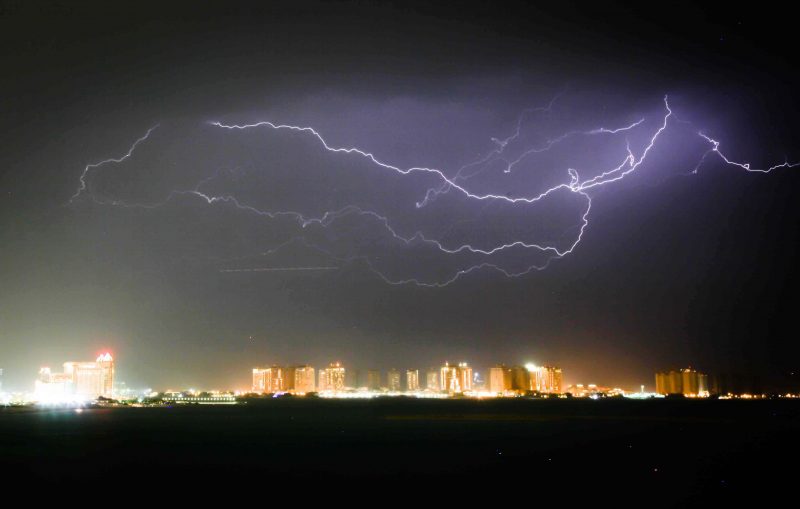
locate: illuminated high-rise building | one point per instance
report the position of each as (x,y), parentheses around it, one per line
(500,379)
(455,379)
(552,380)
(393,380)
(304,379)
(432,380)
(545,379)
(276,379)
(106,363)
(87,378)
(92,379)
(332,378)
(465,374)
(669,382)
(412,380)
(260,382)
(688,382)
(268,380)
(297,379)
(448,378)
(81,380)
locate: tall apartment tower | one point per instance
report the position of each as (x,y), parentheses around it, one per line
(412,380)
(393,380)
(456,379)
(332,378)
(687,381)
(268,380)
(260,382)
(304,379)
(500,379)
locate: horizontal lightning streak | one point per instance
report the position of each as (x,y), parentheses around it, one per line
(744,166)
(628,165)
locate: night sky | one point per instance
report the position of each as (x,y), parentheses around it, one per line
(674,268)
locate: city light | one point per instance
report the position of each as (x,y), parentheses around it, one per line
(84,384)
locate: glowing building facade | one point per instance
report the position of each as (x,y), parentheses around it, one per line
(456,379)
(545,379)
(500,379)
(295,379)
(268,380)
(79,380)
(332,378)
(393,380)
(304,379)
(688,382)
(259,380)
(412,380)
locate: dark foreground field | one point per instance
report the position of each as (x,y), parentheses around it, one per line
(671,452)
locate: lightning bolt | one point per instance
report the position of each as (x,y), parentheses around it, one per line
(89,167)
(745,166)
(576,186)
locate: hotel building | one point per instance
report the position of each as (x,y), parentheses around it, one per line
(332,378)
(688,382)
(84,380)
(456,379)
(412,380)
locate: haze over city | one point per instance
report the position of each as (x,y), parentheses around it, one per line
(136,194)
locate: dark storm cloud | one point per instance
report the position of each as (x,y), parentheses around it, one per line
(672,272)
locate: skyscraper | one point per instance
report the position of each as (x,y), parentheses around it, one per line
(545,379)
(465,373)
(79,379)
(92,379)
(260,382)
(500,378)
(412,380)
(304,379)
(551,380)
(687,381)
(106,363)
(276,379)
(268,380)
(332,378)
(393,380)
(456,379)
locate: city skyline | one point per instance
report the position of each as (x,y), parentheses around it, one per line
(85,380)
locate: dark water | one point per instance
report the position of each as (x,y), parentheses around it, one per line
(678,452)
